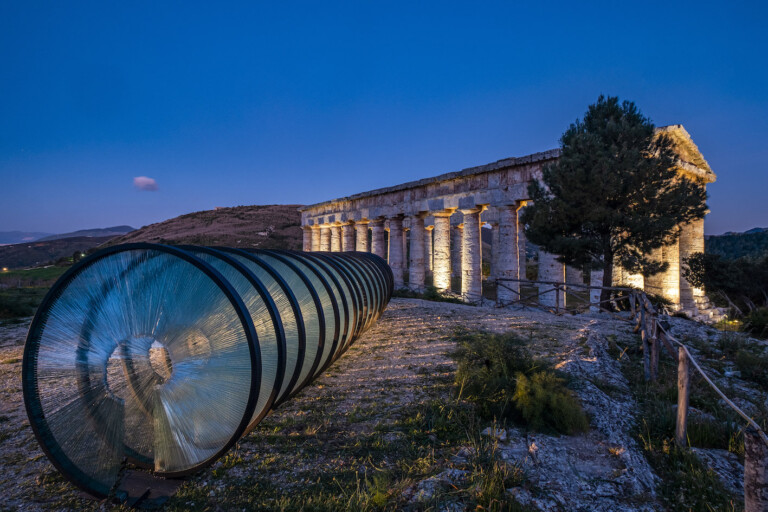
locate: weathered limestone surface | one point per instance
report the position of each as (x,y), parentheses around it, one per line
(306,238)
(471,256)
(457,233)
(499,186)
(442,255)
(377,240)
(325,238)
(396,250)
(361,244)
(416,266)
(336,238)
(428,247)
(348,237)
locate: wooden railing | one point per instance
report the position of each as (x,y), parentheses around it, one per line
(653,327)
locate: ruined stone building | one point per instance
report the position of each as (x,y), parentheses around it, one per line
(434,228)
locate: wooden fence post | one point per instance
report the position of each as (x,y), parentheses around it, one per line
(644,339)
(755,472)
(654,340)
(683,391)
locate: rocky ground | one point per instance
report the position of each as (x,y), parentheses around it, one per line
(353,423)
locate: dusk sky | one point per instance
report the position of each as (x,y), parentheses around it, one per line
(135,112)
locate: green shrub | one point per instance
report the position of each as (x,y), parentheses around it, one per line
(545,403)
(497,373)
(757,323)
(430,293)
(753,367)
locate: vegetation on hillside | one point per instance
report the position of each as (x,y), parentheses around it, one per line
(21,291)
(740,285)
(752,245)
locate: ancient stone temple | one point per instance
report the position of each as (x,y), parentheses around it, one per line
(433,226)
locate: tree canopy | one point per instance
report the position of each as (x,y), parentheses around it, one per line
(614,194)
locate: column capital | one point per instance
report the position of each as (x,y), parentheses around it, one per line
(362,222)
(477,209)
(429,228)
(444,213)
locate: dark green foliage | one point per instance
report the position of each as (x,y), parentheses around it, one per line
(20,302)
(430,293)
(544,402)
(740,245)
(497,373)
(753,367)
(741,284)
(757,323)
(613,194)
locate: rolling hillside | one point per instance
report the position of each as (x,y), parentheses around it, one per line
(751,244)
(261,226)
(41,252)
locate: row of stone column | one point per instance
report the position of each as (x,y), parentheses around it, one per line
(433,248)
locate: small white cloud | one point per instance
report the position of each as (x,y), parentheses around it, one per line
(145,184)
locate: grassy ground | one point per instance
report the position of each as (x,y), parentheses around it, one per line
(21,291)
(686,482)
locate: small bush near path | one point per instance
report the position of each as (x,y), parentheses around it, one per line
(430,293)
(497,373)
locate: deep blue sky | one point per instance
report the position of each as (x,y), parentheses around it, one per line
(242,103)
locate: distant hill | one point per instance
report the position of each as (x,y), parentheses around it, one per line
(40,252)
(266,227)
(97,232)
(17,237)
(750,244)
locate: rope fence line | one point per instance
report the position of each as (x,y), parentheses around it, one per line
(654,331)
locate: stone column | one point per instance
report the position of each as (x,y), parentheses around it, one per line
(666,283)
(396,250)
(361,244)
(595,279)
(551,270)
(574,275)
(472,256)
(306,242)
(336,238)
(315,237)
(348,236)
(494,250)
(405,247)
(457,232)
(691,242)
(508,255)
(428,248)
(325,237)
(442,251)
(621,277)
(521,243)
(416,268)
(377,240)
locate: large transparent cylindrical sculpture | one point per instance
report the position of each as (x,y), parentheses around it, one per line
(163,357)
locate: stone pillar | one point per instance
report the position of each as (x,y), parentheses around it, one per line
(378,240)
(442,251)
(315,237)
(551,270)
(472,256)
(306,242)
(396,250)
(621,277)
(361,244)
(428,253)
(507,255)
(336,238)
(666,283)
(595,279)
(691,242)
(574,275)
(416,268)
(348,237)
(457,232)
(325,237)
(405,248)
(494,250)
(522,258)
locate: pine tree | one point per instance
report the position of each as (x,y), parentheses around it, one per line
(613,195)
